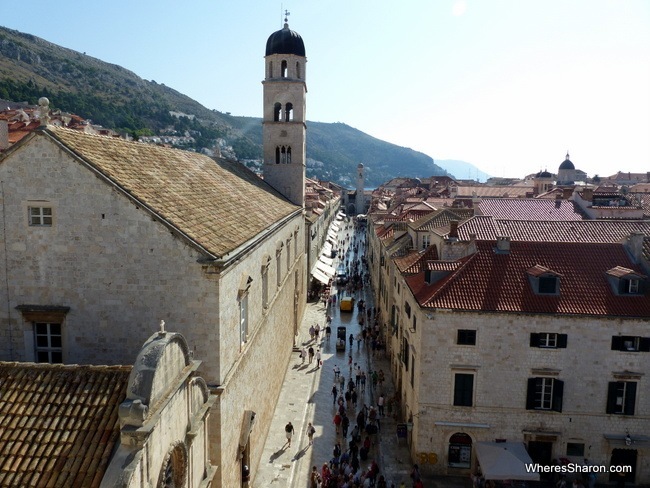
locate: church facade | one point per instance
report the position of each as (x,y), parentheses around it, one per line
(104,237)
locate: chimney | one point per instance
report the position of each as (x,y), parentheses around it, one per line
(503,245)
(567,193)
(635,245)
(4,134)
(453,229)
(588,194)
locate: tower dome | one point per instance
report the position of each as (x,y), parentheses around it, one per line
(285,41)
(567,164)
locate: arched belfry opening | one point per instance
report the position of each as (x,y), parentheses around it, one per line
(284,123)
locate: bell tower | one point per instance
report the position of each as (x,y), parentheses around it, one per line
(360,203)
(284,123)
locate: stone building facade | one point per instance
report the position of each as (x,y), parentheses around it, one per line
(104,237)
(542,338)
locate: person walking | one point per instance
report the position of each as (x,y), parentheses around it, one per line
(335,392)
(314,478)
(310,433)
(337,372)
(288,430)
(311,354)
(312,332)
(317,331)
(303,354)
(318,361)
(380,404)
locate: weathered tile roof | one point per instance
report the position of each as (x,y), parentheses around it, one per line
(441,218)
(218,204)
(58,423)
(605,231)
(494,191)
(530,209)
(498,282)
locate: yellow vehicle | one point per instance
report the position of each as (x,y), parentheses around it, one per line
(347,304)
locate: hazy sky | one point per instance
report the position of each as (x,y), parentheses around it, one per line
(507,85)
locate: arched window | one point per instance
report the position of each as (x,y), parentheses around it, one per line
(277,111)
(460,451)
(277,155)
(288,158)
(283,155)
(298,74)
(283,69)
(288,112)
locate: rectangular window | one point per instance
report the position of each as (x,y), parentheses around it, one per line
(633,286)
(466,337)
(407,309)
(40,216)
(49,343)
(621,397)
(575,449)
(426,241)
(415,323)
(412,371)
(547,285)
(631,343)
(463,389)
(549,340)
(243,318)
(544,394)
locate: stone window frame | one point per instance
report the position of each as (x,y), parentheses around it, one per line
(43,314)
(40,213)
(545,394)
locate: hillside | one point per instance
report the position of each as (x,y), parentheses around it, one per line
(117,98)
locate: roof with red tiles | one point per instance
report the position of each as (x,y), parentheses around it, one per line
(604,231)
(530,209)
(441,218)
(495,191)
(59,422)
(498,282)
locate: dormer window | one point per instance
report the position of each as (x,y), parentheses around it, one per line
(625,281)
(544,281)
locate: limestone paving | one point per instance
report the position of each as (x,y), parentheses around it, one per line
(306,397)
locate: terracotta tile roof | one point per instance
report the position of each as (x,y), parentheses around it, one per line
(441,218)
(430,254)
(491,282)
(605,231)
(218,204)
(620,272)
(59,423)
(530,209)
(495,191)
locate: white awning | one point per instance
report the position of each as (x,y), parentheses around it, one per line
(504,461)
(327,249)
(326,269)
(332,235)
(320,276)
(326,259)
(335,226)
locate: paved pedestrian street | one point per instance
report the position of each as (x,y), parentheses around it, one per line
(306,396)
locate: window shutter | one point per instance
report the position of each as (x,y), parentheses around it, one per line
(561,341)
(630,397)
(644,344)
(617,343)
(530,394)
(611,397)
(534,339)
(558,390)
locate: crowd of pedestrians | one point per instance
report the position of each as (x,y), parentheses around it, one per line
(358,402)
